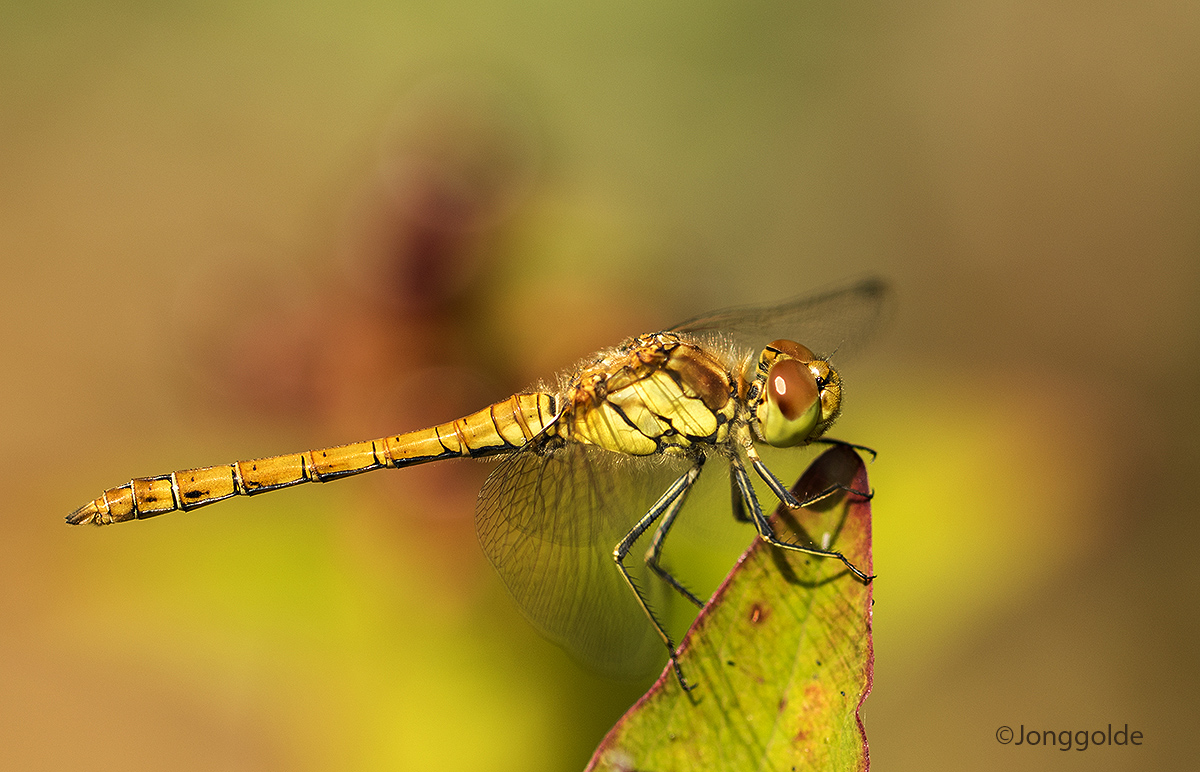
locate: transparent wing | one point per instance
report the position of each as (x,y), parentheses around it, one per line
(837,320)
(548,518)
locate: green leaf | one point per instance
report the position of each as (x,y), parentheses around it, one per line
(781,657)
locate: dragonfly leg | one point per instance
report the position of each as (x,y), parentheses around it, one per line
(768,534)
(739,506)
(655,551)
(672,499)
(780,489)
(843,443)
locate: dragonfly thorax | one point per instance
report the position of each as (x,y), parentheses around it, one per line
(655,393)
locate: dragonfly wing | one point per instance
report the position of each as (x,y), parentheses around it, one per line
(548,518)
(837,320)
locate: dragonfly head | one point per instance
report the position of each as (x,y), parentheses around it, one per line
(799,395)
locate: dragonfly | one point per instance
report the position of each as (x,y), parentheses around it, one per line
(588,467)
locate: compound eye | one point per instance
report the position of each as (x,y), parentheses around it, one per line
(792,406)
(794,350)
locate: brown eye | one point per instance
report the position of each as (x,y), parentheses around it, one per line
(794,350)
(792,407)
(791,386)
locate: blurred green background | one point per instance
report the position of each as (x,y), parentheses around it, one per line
(228,231)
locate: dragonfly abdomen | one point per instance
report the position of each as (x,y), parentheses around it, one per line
(498,428)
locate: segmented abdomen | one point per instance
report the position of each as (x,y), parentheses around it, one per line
(498,428)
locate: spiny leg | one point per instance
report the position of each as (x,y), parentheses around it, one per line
(780,489)
(655,552)
(665,502)
(739,505)
(844,444)
(768,534)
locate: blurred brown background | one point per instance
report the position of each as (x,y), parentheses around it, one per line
(231,231)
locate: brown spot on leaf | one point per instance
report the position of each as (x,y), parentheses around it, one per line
(815,697)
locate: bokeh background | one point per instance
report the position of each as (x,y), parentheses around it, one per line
(231,230)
